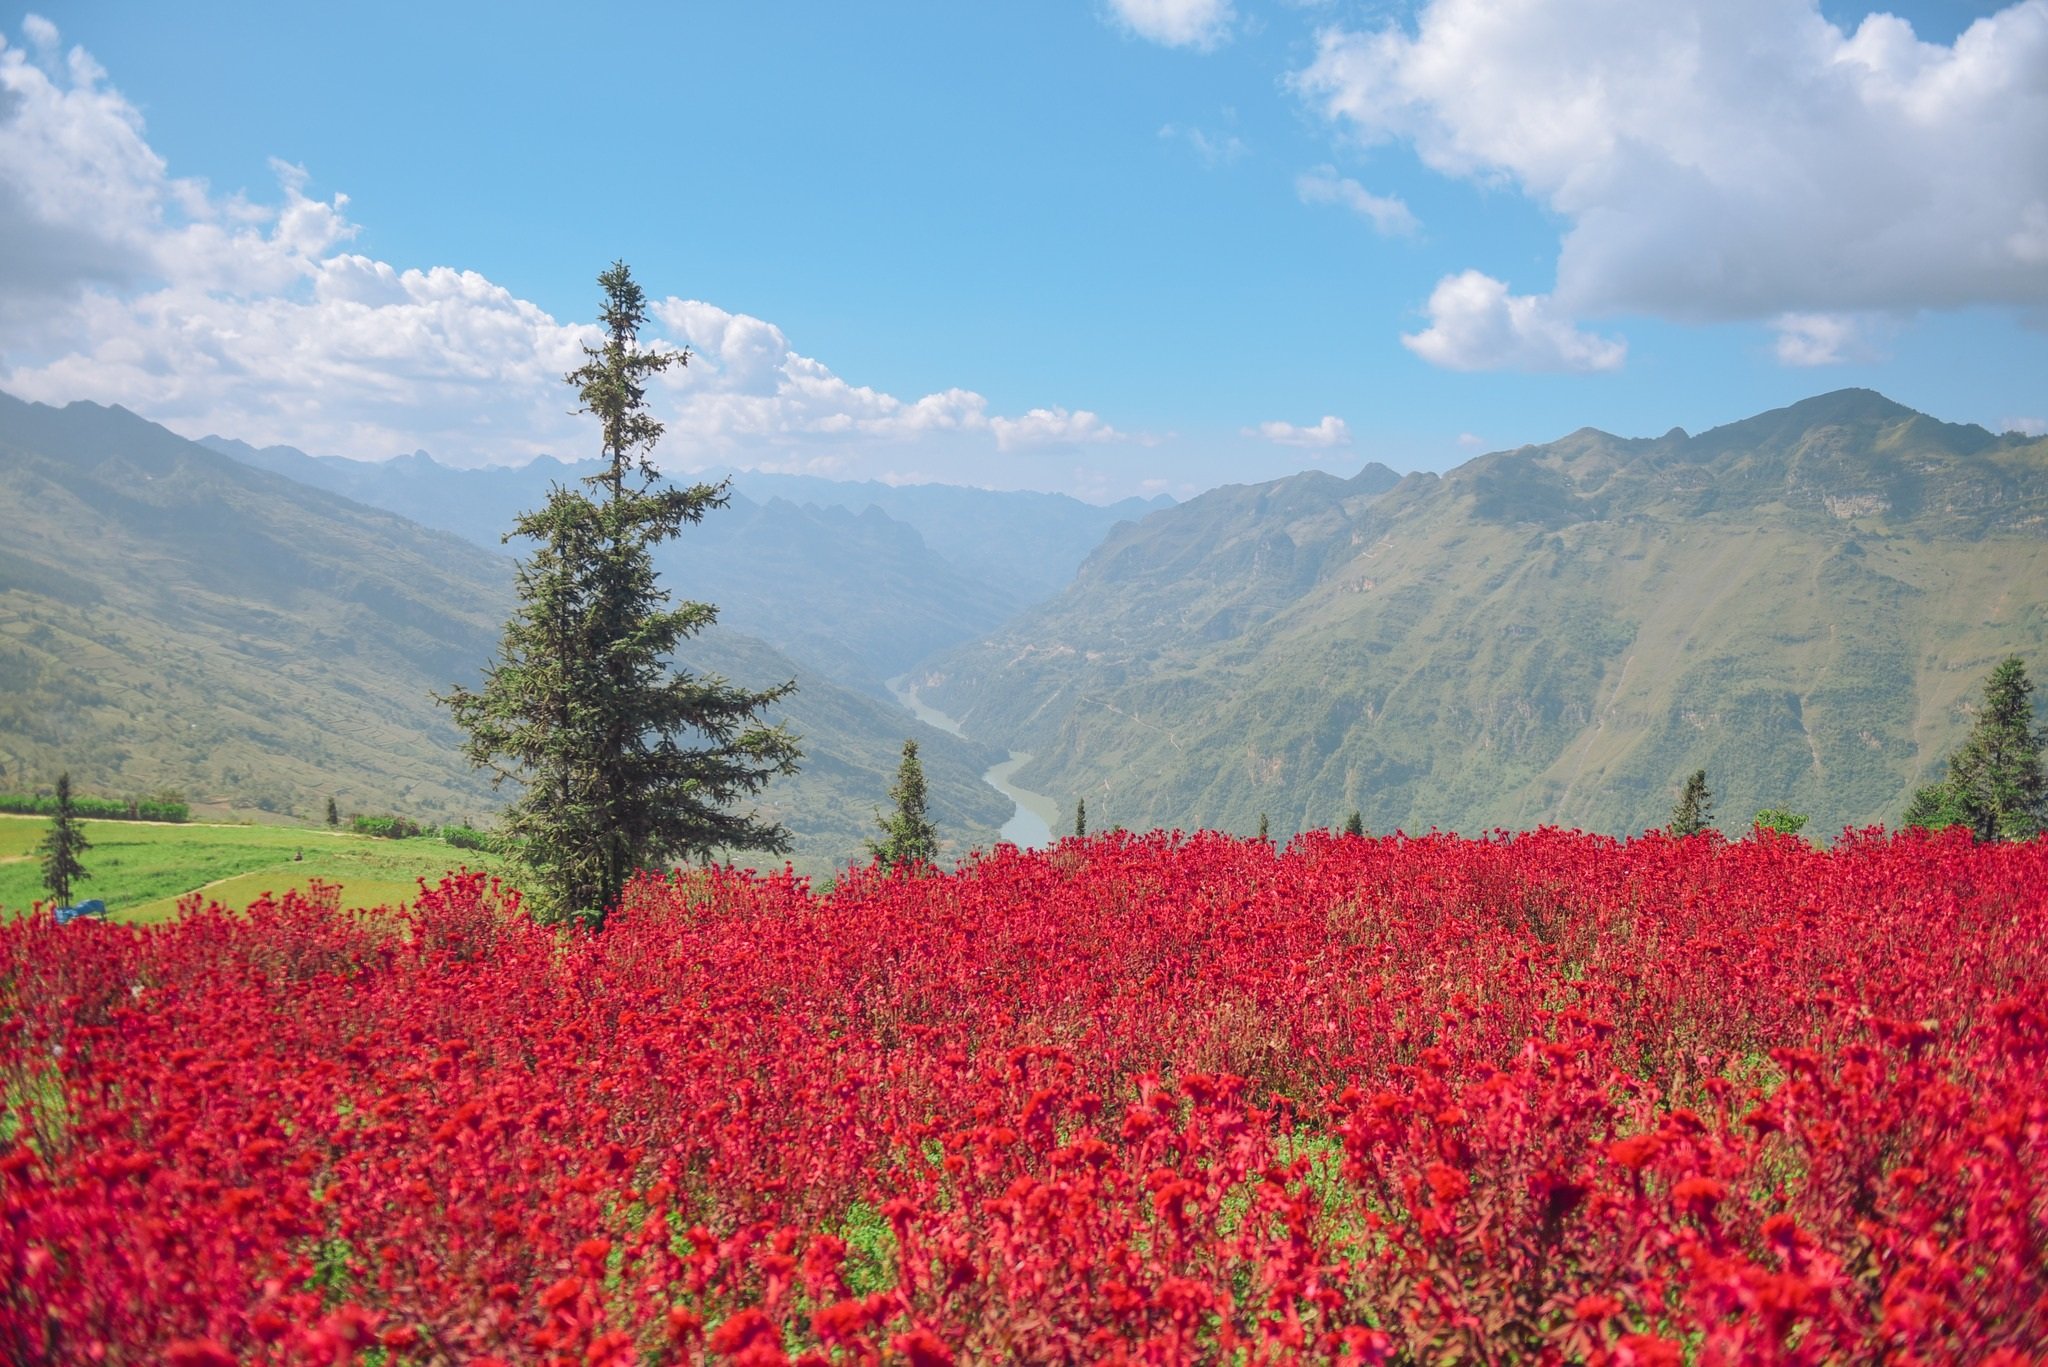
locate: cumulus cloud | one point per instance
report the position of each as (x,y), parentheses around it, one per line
(1475,324)
(1199,24)
(1810,339)
(1331,431)
(1052,427)
(2026,427)
(209,312)
(1471,441)
(1725,159)
(82,196)
(1387,213)
(746,384)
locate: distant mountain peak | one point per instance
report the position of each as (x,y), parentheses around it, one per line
(1851,402)
(1376,478)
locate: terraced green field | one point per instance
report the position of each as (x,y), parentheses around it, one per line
(141,870)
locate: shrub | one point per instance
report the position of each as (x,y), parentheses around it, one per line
(389,827)
(1780,820)
(469,838)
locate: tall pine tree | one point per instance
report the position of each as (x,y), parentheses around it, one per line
(61,845)
(626,762)
(908,835)
(1995,785)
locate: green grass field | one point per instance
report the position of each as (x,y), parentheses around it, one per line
(141,870)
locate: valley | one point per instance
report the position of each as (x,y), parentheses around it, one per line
(1031,823)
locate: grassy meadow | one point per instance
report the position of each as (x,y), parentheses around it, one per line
(141,869)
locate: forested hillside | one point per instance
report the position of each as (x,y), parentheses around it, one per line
(174,618)
(1803,604)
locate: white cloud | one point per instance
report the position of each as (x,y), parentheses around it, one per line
(1471,441)
(1200,24)
(1810,339)
(122,284)
(2026,427)
(1218,150)
(1331,431)
(1475,324)
(1052,427)
(40,32)
(1721,159)
(1387,213)
(82,196)
(746,385)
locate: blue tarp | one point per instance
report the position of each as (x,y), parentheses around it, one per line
(93,910)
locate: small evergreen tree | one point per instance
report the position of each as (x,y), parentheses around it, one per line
(61,845)
(333,813)
(625,761)
(1263,827)
(1355,823)
(1080,816)
(908,836)
(1995,785)
(1695,810)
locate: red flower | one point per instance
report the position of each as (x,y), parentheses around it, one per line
(922,1348)
(1596,1309)
(1447,1184)
(1647,1350)
(1635,1151)
(1698,1195)
(198,1353)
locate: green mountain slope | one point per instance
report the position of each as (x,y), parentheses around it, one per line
(170,617)
(860,579)
(1803,604)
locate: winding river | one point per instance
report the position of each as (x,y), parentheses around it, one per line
(1030,826)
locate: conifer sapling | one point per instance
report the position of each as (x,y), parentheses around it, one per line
(1695,810)
(62,844)
(908,835)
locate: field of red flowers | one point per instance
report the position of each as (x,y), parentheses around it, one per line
(1549,1098)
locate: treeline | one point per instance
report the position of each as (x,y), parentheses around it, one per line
(161,807)
(462,837)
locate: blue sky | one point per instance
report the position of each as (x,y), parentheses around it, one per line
(1103,247)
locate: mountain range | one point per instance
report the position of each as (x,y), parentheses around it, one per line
(859,580)
(1804,604)
(174,618)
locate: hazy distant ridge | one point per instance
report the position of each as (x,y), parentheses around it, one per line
(858,579)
